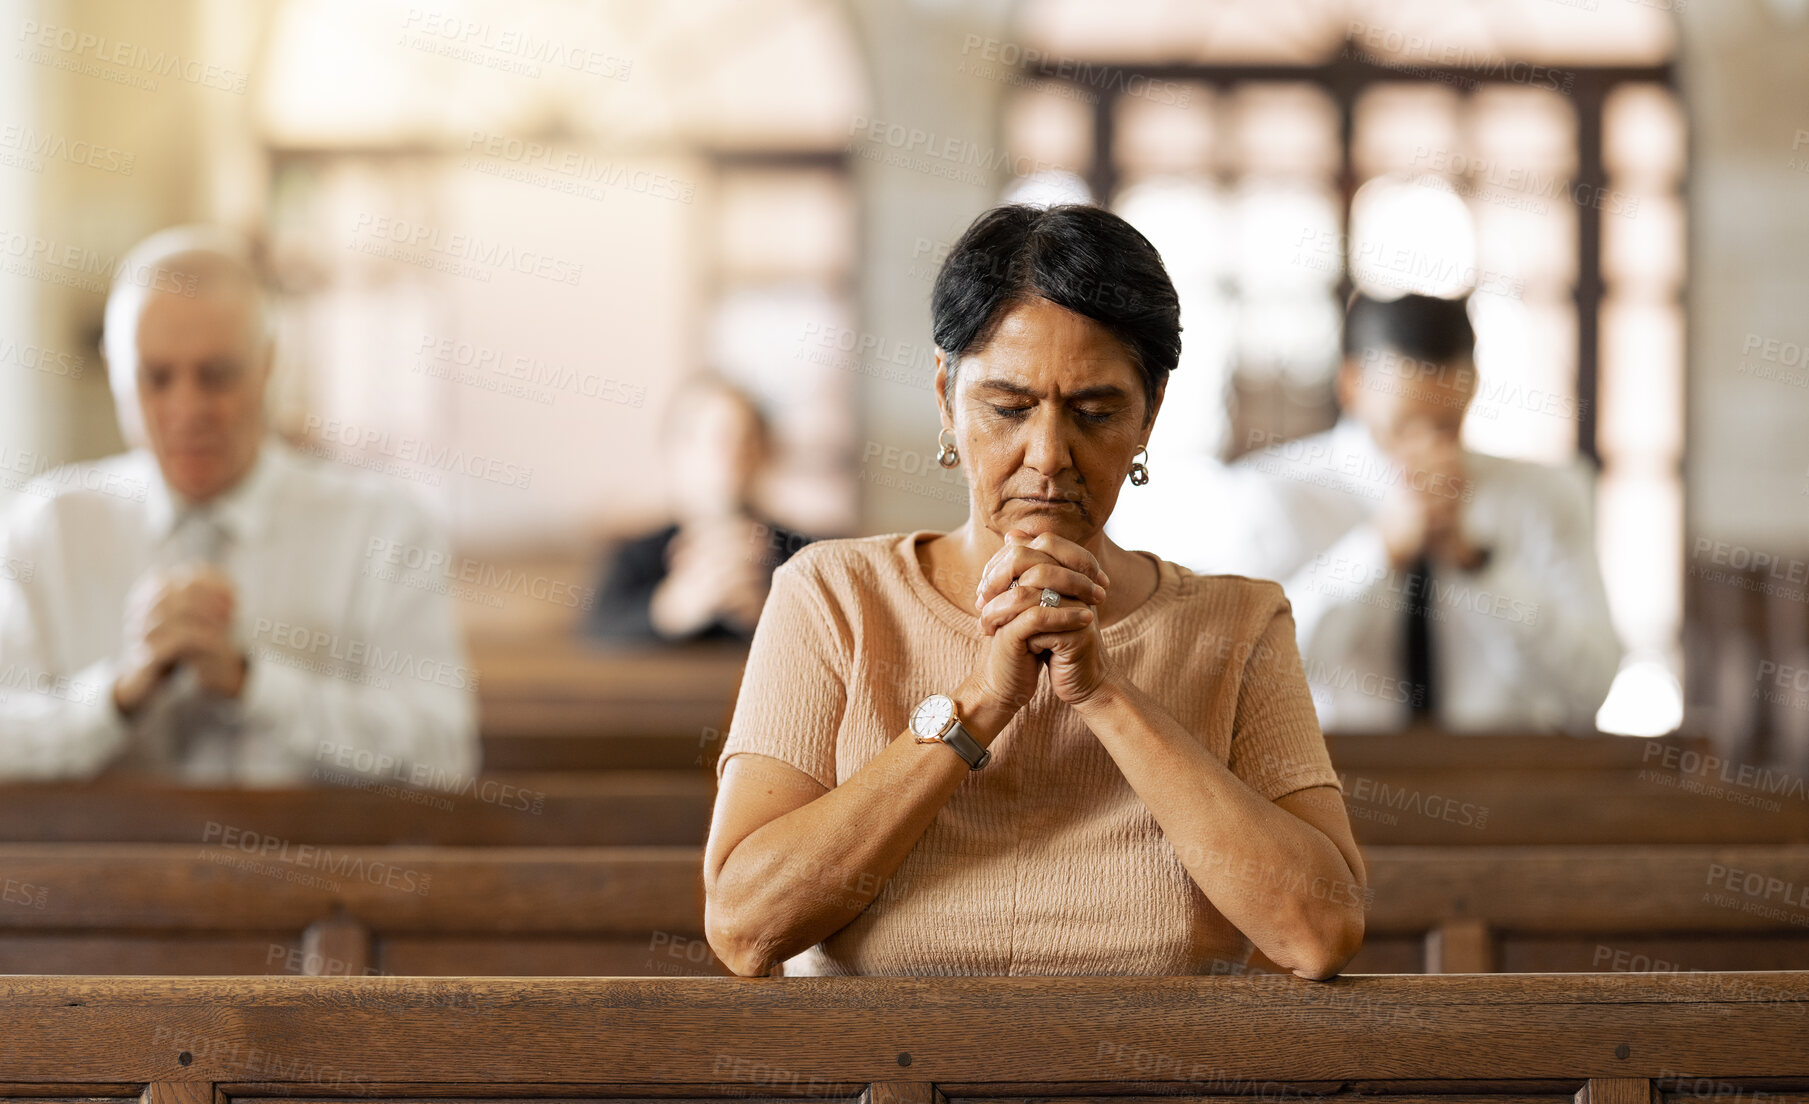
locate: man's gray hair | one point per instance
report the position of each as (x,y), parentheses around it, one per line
(176,261)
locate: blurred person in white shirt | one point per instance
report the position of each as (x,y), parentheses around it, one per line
(1430,584)
(210,606)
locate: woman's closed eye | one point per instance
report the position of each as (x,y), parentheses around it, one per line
(1096,417)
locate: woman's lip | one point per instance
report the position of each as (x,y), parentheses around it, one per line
(1046,501)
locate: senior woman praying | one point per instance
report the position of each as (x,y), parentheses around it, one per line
(1016,748)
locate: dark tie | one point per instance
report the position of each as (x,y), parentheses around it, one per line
(188,719)
(1418,588)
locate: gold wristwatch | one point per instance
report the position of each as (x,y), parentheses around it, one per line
(935,721)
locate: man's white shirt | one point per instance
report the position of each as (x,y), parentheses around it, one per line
(1524,643)
(355,662)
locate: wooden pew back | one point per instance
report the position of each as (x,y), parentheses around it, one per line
(1376,1040)
(246,904)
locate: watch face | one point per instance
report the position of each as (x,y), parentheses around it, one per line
(933,715)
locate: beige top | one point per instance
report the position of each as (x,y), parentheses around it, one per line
(1045,861)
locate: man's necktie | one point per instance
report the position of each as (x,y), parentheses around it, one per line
(188,727)
(1418,588)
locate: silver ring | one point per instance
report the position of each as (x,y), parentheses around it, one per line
(1051,597)
(1013,586)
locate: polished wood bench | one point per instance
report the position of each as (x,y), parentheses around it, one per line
(514,810)
(1538,909)
(564,704)
(256,905)
(1588,1039)
(583,809)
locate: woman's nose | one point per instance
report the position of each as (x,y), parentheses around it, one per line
(1047,449)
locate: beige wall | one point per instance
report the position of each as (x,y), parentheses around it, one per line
(1746,82)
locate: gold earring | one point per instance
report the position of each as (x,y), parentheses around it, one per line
(946,455)
(1140,470)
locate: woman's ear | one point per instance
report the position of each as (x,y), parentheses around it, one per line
(1155,407)
(943,406)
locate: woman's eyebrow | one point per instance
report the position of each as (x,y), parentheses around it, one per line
(1102,391)
(1007,387)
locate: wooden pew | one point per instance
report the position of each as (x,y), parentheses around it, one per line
(562,704)
(1497,808)
(578,810)
(1562,909)
(1388,804)
(1368,1040)
(244,905)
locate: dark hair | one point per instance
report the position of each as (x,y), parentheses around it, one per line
(1417,326)
(1081,258)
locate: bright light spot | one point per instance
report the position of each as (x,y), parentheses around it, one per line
(1048,188)
(1411,236)
(1645,700)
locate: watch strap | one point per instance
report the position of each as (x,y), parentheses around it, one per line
(966,746)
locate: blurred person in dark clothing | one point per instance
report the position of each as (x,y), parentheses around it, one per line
(706,574)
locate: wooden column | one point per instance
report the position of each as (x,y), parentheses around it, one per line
(901,1092)
(338,945)
(177,1092)
(1616,1090)
(1460,947)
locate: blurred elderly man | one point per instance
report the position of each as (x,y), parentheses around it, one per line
(210,606)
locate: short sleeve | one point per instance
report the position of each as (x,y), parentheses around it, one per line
(1276,745)
(793,692)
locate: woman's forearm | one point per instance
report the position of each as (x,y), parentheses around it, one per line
(1280,880)
(804,875)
